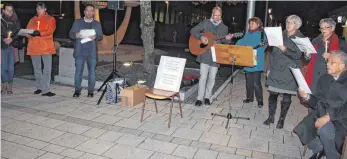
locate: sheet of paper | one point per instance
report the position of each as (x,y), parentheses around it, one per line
(255,57)
(305,45)
(213,51)
(169,73)
(300,80)
(274,36)
(84,40)
(87,33)
(24,32)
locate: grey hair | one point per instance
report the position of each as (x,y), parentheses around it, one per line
(296,20)
(341,55)
(329,21)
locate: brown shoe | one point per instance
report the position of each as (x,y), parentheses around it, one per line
(9,88)
(3,88)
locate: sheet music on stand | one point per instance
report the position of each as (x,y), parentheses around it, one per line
(305,45)
(300,80)
(24,32)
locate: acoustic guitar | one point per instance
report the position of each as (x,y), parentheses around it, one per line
(196,47)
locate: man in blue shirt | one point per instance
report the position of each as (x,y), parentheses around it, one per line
(87,51)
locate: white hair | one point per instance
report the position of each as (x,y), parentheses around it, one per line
(296,20)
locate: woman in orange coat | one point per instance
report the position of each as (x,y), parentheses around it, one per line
(41,46)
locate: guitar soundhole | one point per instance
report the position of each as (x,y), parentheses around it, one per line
(202,45)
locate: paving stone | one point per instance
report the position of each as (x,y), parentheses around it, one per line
(202,126)
(108,110)
(110,136)
(214,138)
(91,156)
(43,133)
(185,151)
(127,152)
(225,149)
(159,146)
(267,136)
(229,156)
(69,140)
(50,156)
(250,144)
(57,116)
(130,131)
(43,113)
(262,155)
(130,140)
(95,146)
(157,128)
(13,150)
(239,133)
(54,148)
(164,138)
(181,141)
(284,150)
(73,128)
(201,145)
(204,154)
(147,134)
(23,140)
(110,127)
(125,114)
(23,116)
(164,156)
(107,119)
(6,121)
(94,132)
(244,152)
(9,136)
(37,144)
(72,153)
(186,133)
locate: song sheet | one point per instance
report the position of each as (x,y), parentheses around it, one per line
(24,32)
(274,36)
(300,80)
(85,34)
(305,45)
(213,52)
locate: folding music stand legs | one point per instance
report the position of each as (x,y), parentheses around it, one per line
(229,116)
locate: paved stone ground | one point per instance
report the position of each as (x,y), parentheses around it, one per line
(61,127)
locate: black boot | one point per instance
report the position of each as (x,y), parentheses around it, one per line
(198,103)
(207,101)
(76,94)
(247,100)
(284,110)
(272,108)
(318,155)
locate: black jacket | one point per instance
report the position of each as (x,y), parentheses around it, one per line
(10,24)
(330,97)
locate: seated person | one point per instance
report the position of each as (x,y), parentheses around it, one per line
(324,128)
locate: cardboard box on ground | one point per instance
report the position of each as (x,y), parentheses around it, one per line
(133,95)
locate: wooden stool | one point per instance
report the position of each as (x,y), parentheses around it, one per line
(161,94)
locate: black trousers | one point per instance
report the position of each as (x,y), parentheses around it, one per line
(253,86)
(285,103)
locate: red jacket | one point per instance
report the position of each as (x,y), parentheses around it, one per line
(42,45)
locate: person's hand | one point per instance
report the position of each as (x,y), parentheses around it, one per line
(326,55)
(92,37)
(36,33)
(283,48)
(322,121)
(302,93)
(8,40)
(78,35)
(204,40)
(229,36)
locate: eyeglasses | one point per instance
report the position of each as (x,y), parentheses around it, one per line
(325,28)
(333,62)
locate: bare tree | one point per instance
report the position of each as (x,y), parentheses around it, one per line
(147,35)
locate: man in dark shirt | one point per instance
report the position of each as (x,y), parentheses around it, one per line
(85,51)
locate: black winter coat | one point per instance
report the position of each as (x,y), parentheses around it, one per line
(330,97)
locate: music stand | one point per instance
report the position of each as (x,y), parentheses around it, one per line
(234,55)
(113,5)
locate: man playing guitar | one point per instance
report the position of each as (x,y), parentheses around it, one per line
(208,68)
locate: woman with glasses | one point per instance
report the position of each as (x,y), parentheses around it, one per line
(326,42)
(280,79)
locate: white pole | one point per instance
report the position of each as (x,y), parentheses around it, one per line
(250,11)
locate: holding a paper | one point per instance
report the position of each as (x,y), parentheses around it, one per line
(280,79)
(86,31)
